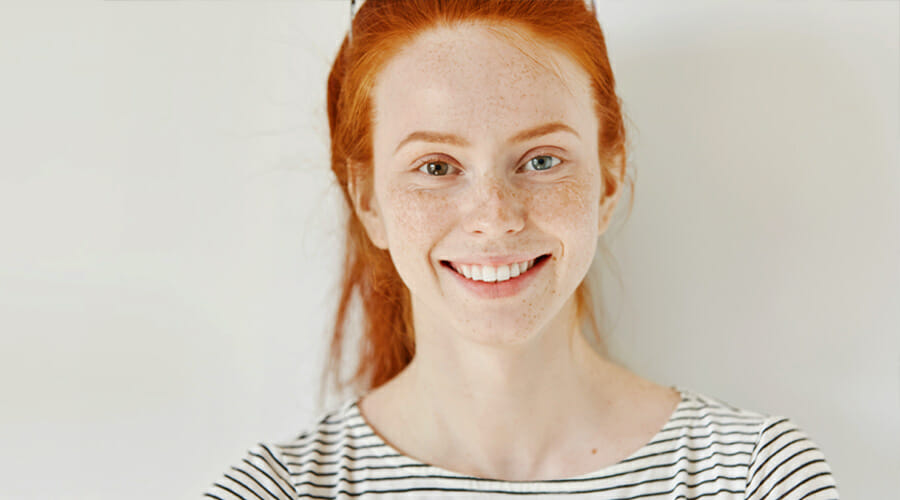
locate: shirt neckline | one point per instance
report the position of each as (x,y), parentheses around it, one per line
(434,469)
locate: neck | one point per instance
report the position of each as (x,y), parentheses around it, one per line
(497,409)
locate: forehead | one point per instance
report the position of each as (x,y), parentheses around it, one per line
(470,81)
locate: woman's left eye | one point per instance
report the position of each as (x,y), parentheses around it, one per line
(542,162)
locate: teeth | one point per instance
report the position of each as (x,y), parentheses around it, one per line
(491,274)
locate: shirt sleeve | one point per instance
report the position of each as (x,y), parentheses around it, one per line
(787,464)
(262,475)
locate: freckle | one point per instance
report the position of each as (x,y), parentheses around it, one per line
(594,451)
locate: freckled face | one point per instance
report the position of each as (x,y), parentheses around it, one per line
(484,194)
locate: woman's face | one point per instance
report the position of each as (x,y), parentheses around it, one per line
(484,158)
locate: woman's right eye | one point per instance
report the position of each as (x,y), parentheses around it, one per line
(436,168)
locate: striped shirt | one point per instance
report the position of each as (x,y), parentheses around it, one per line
(707,449)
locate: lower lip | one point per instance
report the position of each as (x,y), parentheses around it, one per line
(501,289)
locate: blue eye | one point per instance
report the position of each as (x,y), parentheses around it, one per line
(436,168)
(542,162)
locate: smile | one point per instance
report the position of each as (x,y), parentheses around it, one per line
(494,274)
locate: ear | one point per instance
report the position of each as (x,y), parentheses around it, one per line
(609,197)
(366,207)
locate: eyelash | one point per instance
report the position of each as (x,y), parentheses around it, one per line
(425,163)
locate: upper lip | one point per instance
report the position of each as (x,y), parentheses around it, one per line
(496,260)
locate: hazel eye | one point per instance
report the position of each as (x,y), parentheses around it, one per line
(436,168)
(542,162)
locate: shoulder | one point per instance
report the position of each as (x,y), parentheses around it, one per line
(290,468)
(707,422)
(770,454)
(787,463)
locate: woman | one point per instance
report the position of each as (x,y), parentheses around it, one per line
(481,147)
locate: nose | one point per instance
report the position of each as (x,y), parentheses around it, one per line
(498,209)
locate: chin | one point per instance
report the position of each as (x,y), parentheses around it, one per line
(499,332)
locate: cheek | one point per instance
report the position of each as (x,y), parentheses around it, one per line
(571,206)
(415,217)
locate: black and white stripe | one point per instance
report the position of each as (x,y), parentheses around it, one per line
(708,449)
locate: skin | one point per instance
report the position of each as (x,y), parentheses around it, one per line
(503,388)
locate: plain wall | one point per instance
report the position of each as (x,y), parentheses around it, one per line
(171,235)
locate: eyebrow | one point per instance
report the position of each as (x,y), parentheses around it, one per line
(540,130)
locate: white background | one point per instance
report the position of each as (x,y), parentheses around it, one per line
(170,233)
